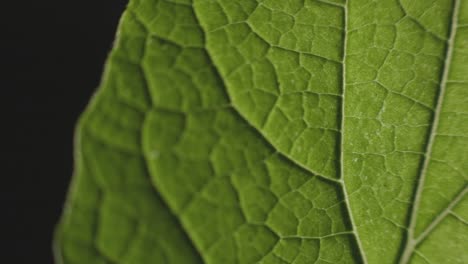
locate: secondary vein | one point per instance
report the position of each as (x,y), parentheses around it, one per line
(342,124)
(441,216)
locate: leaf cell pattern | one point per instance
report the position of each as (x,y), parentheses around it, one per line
(267,131)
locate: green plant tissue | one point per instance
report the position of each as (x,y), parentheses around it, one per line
(275,131)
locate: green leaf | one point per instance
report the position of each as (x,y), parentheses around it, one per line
(276,131)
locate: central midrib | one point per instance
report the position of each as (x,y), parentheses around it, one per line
(412,241)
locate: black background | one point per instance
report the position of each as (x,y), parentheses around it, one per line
(52,54)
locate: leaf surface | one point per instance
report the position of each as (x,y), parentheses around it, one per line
(276,131)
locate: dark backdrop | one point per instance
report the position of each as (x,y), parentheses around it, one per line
(52,55)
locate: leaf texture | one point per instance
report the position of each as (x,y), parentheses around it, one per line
(298,131)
